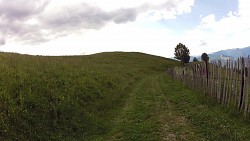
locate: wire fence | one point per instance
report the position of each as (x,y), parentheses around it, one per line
(228,82)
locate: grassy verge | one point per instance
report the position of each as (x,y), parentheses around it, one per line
(213,121)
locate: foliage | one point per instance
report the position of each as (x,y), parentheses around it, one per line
(204,57)
(195,59)
(182,53)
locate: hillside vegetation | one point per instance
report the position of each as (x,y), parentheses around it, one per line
(67,98)
(106,96)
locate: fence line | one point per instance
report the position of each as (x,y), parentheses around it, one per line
(227,82)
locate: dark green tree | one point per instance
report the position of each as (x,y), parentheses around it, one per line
(182,53)
(195,59)
(204,57)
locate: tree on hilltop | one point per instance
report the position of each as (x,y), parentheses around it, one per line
(204,57)
(182,53)
(195,59)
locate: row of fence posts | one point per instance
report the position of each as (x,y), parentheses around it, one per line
(228,82)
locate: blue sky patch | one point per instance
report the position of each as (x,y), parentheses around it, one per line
(201,8)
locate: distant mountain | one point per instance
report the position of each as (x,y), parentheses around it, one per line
(228,54)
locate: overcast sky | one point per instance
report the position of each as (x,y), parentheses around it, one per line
(74,27)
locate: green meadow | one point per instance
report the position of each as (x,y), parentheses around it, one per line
(107,97)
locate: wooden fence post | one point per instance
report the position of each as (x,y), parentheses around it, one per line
(230,81)
(241,101)
(225,84)
(246,85)
(212,80)
(219,82)
(235,83)
(248,75)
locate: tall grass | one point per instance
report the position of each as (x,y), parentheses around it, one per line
(67,98)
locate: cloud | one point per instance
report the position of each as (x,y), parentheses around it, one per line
(208,21)
(2,41)
(124,15)
(230,31)
(93,17)
(33,22)
(84,16)
(14,16)
(21,9)
(203,43)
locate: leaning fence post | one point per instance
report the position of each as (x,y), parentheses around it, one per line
(246,85)
(242,84)
(248,75)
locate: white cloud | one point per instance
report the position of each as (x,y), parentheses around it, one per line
(90,26)
(113,37)
(231,31)
(2,41)
(167,10)
(184,6)
(208,21)
(244,8)
(111,5)
(26,21)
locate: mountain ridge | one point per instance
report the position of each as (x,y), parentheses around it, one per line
(228,54)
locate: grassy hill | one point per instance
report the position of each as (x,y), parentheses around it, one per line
(46,98)
(106,96)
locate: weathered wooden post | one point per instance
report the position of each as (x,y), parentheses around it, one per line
(230,82)
(219,82)
(241,100)
(235,75)
(246,85)
(224,94)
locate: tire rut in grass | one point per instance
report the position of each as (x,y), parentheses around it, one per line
(174,125)
(148,115)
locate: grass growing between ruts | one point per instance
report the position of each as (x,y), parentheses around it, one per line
(150,116)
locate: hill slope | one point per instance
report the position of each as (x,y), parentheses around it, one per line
(44,98)
(106,96)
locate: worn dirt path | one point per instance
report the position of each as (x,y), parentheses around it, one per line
(149,115)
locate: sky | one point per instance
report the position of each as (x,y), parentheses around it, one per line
(82,27)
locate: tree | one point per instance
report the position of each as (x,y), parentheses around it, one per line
(195,59)
(204,57)
(182,53)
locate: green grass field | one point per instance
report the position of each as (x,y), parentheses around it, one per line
(106,96)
